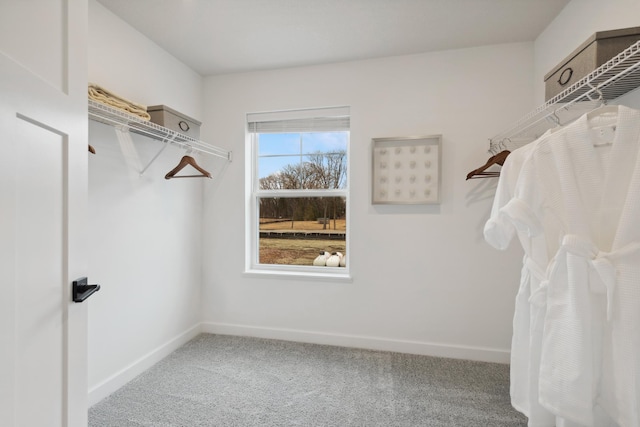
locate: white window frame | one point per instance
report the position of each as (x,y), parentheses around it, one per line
(314,119)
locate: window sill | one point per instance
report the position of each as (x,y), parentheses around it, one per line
(335,274)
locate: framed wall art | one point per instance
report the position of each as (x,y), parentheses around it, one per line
(406,170)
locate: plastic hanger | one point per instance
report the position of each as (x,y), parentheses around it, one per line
(603,110)
(187,160)
(608,124)
(497,159)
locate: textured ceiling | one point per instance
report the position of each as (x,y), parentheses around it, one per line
(229,36)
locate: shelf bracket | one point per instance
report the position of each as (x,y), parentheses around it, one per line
(127,147)
(597,90)
(166,143)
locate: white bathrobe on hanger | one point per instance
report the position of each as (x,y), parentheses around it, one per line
(527,319)
(530,304)
(583,196)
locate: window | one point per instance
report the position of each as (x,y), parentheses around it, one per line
(298,191)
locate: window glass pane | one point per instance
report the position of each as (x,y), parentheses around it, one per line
(325,170)
(325,142)
(278,143)
(275,166)
(282,165)
(293,231)
(317,171)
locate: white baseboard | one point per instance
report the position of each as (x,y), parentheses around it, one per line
(117,380)
(482,354)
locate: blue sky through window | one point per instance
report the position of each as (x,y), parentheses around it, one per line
(276,150)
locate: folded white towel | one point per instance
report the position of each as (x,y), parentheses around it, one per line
(100,94)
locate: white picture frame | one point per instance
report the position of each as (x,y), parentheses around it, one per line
(406,170)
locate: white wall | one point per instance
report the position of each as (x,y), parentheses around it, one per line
(424,281)
(129,64)
(144,232)
(575,24)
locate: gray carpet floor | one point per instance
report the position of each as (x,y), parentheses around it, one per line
(218,380)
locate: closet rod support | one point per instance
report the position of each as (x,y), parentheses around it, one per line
(166,143)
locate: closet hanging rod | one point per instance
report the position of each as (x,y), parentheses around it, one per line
(114,117)
(614,78)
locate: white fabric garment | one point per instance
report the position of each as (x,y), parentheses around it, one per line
(530,304)
(581,194)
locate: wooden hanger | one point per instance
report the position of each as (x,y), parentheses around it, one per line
(497,159)
(187,160)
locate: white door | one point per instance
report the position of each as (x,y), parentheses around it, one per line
(43,192)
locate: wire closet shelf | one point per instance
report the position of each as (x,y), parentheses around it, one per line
(124,121)
(614,78)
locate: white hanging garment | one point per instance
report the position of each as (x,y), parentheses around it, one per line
(530,305)
(583,194)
